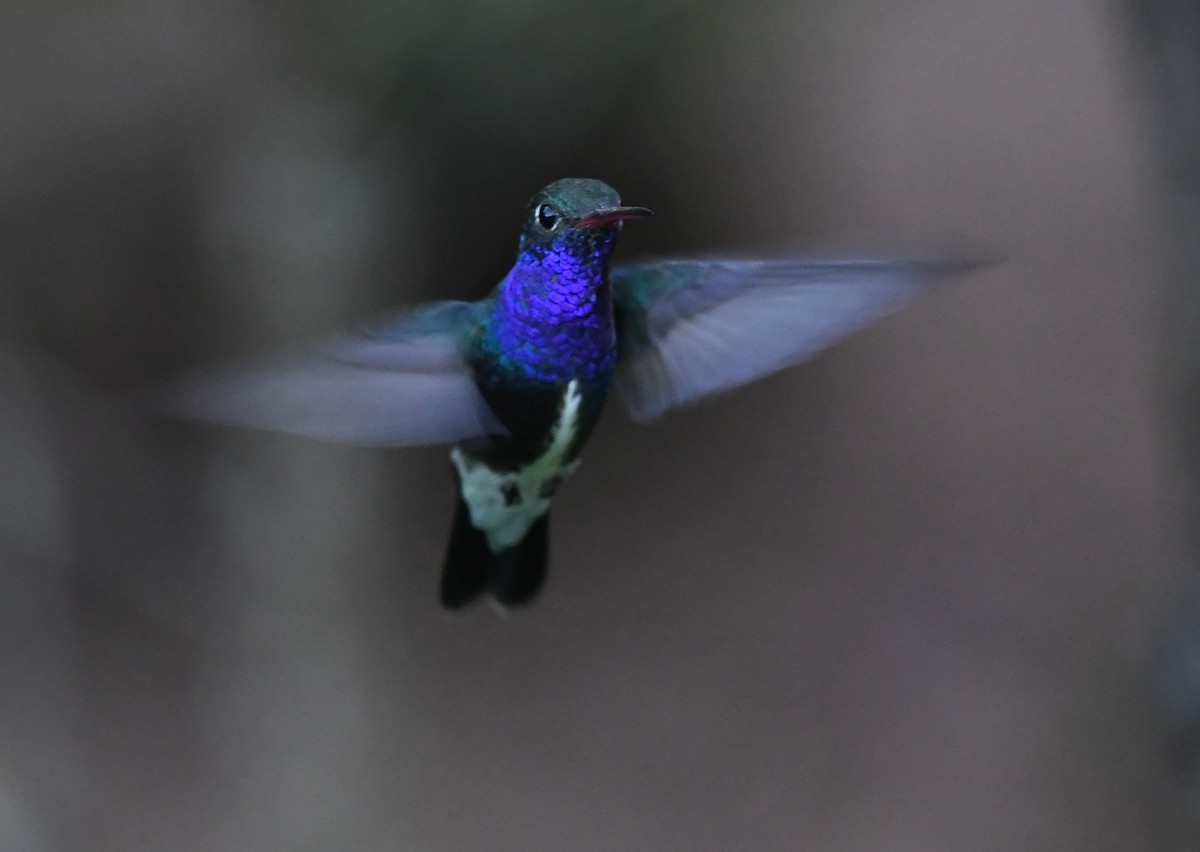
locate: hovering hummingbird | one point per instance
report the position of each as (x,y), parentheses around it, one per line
(517,381)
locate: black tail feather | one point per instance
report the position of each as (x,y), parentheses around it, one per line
(465,571)
(516,576)
(513,577)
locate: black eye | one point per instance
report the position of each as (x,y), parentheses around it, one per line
(547,216)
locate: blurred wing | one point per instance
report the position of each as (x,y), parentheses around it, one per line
(401,382)
(693,328)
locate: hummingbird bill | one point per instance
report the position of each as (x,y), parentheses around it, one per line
(516,381)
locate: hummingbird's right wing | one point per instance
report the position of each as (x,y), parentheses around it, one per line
(400,382)
(690,328)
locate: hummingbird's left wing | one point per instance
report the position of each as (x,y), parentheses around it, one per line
(692,328)
(403,381)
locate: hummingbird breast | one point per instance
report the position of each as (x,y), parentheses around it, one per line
(554,325)
(551,323)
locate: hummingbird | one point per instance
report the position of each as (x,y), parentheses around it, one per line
(517,381)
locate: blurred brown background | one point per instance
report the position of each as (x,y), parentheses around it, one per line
(904,598)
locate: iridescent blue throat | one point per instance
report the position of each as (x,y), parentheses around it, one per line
(553,317)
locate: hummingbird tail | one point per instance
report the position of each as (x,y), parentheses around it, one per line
(517,575)
(465,572)
(513,577)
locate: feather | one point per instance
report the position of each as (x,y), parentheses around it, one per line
(693,328)
(400,382)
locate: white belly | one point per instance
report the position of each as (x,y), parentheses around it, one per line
(504,506)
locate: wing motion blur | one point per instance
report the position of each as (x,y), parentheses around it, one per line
(400,382)
(693,328)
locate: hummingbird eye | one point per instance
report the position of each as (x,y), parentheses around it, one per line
(547,216)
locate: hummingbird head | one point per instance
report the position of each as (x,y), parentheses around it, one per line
(553,312)
(576,218)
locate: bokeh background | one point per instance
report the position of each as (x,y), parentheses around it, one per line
(912,596)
